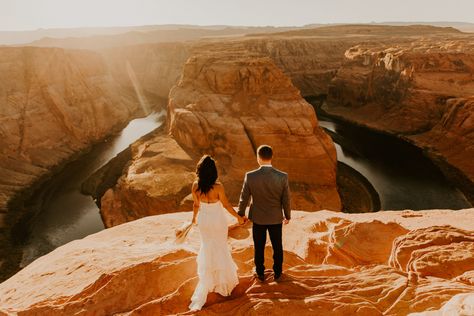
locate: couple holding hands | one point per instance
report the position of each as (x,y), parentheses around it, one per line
(268,190)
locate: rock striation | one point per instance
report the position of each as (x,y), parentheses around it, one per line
(422,91)
(55,103)
(333,266)
(226,106)
(309,62)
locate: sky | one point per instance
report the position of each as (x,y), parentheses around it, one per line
(34,14)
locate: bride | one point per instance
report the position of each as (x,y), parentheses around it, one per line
(217,270)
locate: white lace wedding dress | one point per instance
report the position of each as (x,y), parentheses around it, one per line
(217,270)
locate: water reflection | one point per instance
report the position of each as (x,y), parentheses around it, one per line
(403,177)
(66,213)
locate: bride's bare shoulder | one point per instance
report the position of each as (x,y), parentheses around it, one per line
(219,186)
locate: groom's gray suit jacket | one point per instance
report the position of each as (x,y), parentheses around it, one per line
(270,193)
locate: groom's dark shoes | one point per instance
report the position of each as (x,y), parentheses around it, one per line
(277,277)
(261,277)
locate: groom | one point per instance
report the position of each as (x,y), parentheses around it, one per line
(270,193)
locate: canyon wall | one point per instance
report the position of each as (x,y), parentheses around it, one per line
(227,105)
(310,63)
(413,262)
(209,113)
(422,92)
(151,69)
(53,104)
(58,102)
(234,95)
(52,95)
(370,78)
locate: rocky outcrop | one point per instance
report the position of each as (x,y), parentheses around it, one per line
(227,106)
(421,91)
(137,268)
(157,180)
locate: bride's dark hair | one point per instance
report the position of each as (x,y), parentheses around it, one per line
(206,172)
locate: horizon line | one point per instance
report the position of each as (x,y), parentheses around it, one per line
(229,25)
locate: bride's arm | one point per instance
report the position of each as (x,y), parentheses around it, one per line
(225,202)
(196,202)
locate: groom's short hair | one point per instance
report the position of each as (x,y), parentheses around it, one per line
(265,152)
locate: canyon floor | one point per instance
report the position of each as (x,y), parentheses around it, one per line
(384,263)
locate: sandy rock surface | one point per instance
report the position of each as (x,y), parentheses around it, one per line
(333,266)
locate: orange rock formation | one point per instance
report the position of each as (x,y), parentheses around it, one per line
(335,264)
(55,103)
(422,91)
(227,106)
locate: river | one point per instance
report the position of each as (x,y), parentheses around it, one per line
(402,176)
(65,213)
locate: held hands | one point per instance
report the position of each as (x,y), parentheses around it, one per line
(286,221)
(242,220)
